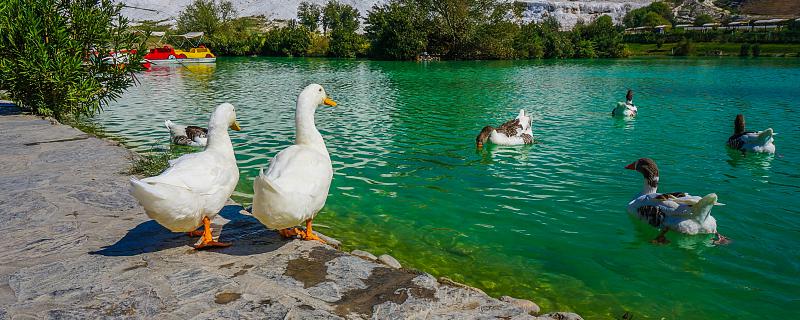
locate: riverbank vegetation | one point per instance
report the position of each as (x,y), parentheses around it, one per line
(55,55)
(401,30)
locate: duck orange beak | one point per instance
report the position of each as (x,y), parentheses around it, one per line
(631,166)
(235,126)
(329,102)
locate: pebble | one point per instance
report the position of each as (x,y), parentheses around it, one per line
(528,306)
(364,254)
(389,261)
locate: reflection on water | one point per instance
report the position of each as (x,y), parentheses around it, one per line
(546,221)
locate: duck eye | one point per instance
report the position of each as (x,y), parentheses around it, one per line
(320,90)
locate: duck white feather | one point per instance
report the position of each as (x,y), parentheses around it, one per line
(516,131)
(196,186)
(751,141)
(296,185)
(678,211)
(627,108)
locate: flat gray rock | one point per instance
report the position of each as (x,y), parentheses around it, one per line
(389,261)
(79,246)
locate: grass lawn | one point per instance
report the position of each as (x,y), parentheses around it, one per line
(708,48)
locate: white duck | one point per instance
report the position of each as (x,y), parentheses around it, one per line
(516,131)
(751,141)
(187,135)
(627,108)
(196,186)
(296,185)
(677,211)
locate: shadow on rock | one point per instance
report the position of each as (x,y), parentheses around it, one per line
(247,234)
(148,236)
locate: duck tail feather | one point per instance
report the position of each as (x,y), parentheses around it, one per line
(702,209)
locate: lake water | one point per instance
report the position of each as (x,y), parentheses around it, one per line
(545,222)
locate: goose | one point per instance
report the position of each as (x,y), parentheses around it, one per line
(627,108)
(187,135)
(298,179)
(751,141)
(516,131)
(196,186)
(677,211)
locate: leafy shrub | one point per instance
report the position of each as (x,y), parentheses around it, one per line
(756,49)
(684,48)
(744,50)
(52,51)
(396,31)
(342,21)
(703,19)
(291,40)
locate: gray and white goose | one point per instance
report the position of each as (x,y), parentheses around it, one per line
(516,131)
(751,141)
(187,135)
(627,108)
(678,211)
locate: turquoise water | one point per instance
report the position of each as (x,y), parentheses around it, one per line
(545,222)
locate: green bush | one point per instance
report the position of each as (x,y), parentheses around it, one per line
(309,15)
(52,51)
(756,49)
(396,31)
(342,21)
(641,17)
(684,48)
(744,50)
(703,19)
(291,40)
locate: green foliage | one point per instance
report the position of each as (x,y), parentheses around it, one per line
(528,42)
(51,55)
(585,49)
(291,40)
(756,49)
(309,15)
(150,164)
(642,16)
(703,19)
(684,48)
(342,21)
(652,19)
(207,16)
(396,30)
(744,51)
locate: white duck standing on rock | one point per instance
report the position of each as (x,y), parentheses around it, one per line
(196,186)
(296,185)
(193,136)
(516,131)
(676,211)
(627,108)
(751,141)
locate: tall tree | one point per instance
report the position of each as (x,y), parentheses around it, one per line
(342,21)
(309,15)
(396,30)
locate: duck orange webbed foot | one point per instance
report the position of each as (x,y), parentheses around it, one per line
(309,233)
(208,240)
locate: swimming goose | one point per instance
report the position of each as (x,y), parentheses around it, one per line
(196,186)
(750,141)
(296,185)
(514,132)
(677,211)
(186,135)
(627,108)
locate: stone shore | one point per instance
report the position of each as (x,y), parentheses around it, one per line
(78,246)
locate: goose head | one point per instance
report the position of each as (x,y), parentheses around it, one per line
(480,140)
(224,116)
(313,96)
(649,170)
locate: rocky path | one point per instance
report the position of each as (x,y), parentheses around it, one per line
(76,245)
